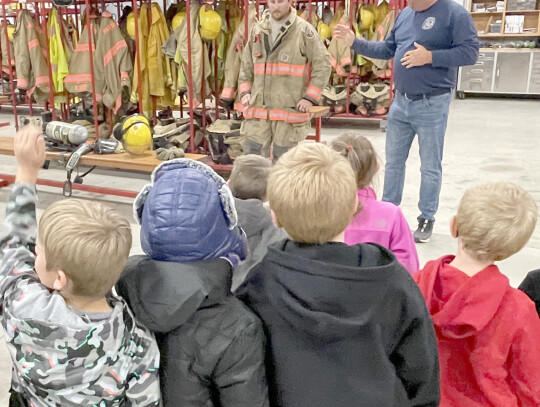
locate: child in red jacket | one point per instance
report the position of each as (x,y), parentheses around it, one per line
(487,331)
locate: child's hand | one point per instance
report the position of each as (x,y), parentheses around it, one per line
(29,148)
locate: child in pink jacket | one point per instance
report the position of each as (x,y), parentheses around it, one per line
(375,221)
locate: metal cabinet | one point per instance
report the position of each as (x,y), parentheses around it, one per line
(534,81)
(507,72)
(478,77)
(511,72)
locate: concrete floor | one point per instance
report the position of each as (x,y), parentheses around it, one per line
(486,140)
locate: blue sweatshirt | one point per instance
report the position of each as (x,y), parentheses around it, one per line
(446,29)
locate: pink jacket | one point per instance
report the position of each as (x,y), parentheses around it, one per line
(383,223)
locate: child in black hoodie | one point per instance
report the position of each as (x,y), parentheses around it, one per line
(347,326)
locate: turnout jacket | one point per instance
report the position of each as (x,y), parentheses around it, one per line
(30,63)
(487,334)
(112,63)
(277,76)
(346,327)
(233,61)
(199,57)
(60,49)
(5,43)
(64,357)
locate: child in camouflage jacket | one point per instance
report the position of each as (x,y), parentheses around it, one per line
(69,343)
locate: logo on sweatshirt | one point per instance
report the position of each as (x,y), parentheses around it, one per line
(428,23)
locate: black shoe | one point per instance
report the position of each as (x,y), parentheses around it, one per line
(424,230)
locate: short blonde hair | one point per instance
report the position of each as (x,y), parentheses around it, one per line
(249,177)
(312,191)
(495,220)
(361,154)
(88,241)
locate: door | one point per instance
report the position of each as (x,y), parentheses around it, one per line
(512,72)
(534,85)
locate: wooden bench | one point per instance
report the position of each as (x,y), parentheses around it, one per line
(317,113)
(123,161)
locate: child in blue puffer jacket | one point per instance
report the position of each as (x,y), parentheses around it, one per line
(211,344)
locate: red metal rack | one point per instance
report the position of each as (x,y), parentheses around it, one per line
(42,8)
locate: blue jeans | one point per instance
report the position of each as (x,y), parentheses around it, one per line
(426,117)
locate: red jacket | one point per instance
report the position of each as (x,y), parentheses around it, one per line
(488,335)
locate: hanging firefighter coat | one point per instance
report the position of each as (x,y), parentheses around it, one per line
(30,63)
(199,56)
(141,59)
(112,63)
(5,43)
(59,57)
(234,56)
(340,52)
(296,67)
(380,66)
(159,67)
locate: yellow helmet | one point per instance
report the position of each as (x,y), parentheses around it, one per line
(380,12)
(10,31)
(134,118)
(324,31)
(177,20)
(210,23)
(366,18)
(136,134)
(130,25)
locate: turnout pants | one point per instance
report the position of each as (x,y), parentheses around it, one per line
(282,135)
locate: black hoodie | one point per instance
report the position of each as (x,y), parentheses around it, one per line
(346,327)
(212,346)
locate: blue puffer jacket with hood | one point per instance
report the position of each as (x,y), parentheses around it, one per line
(212,346)
(187,214)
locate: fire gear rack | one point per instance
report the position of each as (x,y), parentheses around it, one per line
(353,79)
(9,10)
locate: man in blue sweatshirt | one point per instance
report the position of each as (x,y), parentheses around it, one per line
(430,39)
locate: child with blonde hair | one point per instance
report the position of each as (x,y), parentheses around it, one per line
(71,343)
(375,221)
(487,331)
(346,325)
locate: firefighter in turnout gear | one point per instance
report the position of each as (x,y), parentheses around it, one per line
(285,67)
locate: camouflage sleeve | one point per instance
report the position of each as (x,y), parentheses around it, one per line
(143,387)
(18,238)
